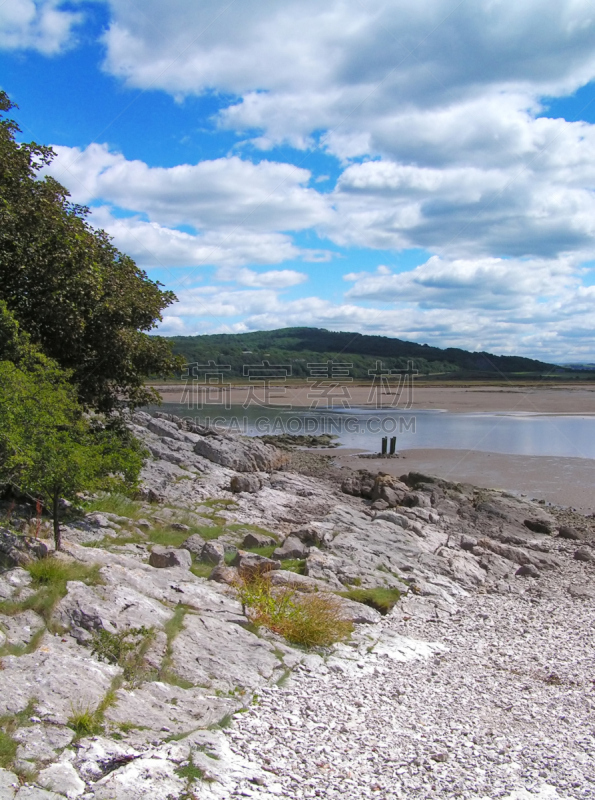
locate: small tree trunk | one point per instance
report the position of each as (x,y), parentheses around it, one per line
(57,532)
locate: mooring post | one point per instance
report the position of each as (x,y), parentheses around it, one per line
(393,445)
(384,444)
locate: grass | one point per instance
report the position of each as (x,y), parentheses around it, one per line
(381,598)
(50,576)
(23,649)
(126,648)
(116,504)
(86,721)
(8,725)
(172,628)
(309,620)
(267,551)
(202,570)
(297,565)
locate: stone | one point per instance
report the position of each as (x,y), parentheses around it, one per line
(468,543)
(538,525)
(584,554)
(566,532)
(291,580)
(62,777)
(162,427)
(528,570)
(194,544)
(379,505)
(42,743)
(581,592)
(360,484)
(213,553)
(390,489)
(225,574)
(358,613)
(98,520)
(143,524)
(18,551)
(9,784)
(241,455)
(164,557)
(253,564)
(179,526)
(255,539)
(33,793)
(316,533)
(21,628)
(292,547)
(246,483)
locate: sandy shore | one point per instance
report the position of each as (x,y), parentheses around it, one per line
(559,399)
(562,481)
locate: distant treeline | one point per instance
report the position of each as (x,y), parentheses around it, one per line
(300,348)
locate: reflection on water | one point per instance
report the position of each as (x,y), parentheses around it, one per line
(519,434)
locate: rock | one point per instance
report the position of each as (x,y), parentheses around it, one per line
(416,500)
(357,613)
(360,484)
(291,580)
(179,526)
(292,547)
(98,520)
(213,553)
(519,555)
(389,489)
(538,525)
(251,540)
(21,628)
(164,557)
(440,757)
(240,454)
(528,570)
(566,532)
(246,483)
(584,554)
(9,783)
(581,592)
(468,543)
(162,427)
(379,505)
(194,544)
(319,534)
(18,551)
(144,524)
(225,574)
(253,564)
(33,793)
(62,777)
(42,743)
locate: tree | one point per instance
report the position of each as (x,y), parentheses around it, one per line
(49,449)
(83,302)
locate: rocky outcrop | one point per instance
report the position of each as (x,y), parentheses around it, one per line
(241,455)
(18,551)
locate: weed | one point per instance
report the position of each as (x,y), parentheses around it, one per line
(125,648)
(381,598)
(305,619)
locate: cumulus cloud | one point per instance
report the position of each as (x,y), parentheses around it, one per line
(43,25)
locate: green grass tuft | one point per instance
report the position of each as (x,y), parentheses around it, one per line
(381,598)
(297,565)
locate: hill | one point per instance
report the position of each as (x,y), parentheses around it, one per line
(299,347)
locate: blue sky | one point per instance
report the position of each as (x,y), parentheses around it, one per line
(420,170)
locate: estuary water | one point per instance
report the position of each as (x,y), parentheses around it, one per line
(363,428)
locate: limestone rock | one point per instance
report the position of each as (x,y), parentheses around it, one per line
(18,551)
(292,547)
(9,784)
(21,628)
(360,484)
(224,574)
(390,489)
(63,778)
(584,554)
(246,483)
(164,557)
(42,743)
(213,553)
(581,591)
(538,525)
(240,454)
(194,544)
(255,539)
(251,563)
(529,570)
(566,532)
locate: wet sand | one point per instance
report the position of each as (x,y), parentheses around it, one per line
(558,399)
(562,481)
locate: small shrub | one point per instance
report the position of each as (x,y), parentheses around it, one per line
(125,648)
(305,619)
(381,598)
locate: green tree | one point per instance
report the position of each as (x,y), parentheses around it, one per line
(49,449)
(86,304)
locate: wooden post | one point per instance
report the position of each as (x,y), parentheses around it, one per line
(384,444)
(393,445)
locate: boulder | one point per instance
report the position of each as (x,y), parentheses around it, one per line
(584,554)
(194,544)
(292,547)
(18,551)
(246,483)
(240,454)
(566,532)
(225,574)
(213,553)
(539,525)
(179,526)
(360,484)
(390,489)
(319,534)
(253,564)
(257,540)
(62,777)
(529,570)
(163,557)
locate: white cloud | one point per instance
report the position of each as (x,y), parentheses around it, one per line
(43,25)
(274,279)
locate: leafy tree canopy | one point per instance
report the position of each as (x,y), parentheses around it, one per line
(86,304)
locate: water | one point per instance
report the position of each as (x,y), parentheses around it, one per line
(363,428)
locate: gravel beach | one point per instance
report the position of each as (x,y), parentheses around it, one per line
(505,710)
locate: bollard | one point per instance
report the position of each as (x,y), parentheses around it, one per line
(384,443)
(393,445)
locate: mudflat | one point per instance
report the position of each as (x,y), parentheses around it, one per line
(554,399)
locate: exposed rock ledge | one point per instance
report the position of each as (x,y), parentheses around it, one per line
(436,542)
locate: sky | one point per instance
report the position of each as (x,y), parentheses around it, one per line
(423,169)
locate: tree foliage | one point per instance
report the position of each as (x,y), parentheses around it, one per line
(49,448)
(83,302)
